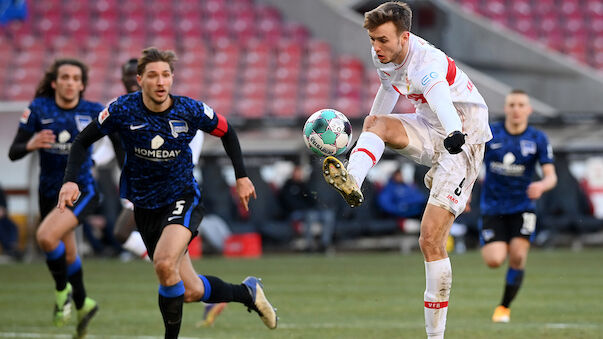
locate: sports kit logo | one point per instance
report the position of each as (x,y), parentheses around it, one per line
(103,116)
(81,121)
(178,126)
(135,127)
(25,116)
(156,154)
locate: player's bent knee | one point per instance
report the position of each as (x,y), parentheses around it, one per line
(164,268)
(192,294)
(494,262)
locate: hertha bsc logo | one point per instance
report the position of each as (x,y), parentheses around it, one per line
(178,126)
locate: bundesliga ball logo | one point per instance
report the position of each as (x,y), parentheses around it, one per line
(327,132)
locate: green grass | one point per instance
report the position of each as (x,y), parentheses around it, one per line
(344,296)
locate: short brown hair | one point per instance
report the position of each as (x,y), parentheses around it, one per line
(518,91)
(152,54)
(397,12)
(45,89)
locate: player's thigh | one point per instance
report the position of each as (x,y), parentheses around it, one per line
(494,253)
(172,244)
(54,227)
(124,225)
(518,252)
(389,128)
(451,178)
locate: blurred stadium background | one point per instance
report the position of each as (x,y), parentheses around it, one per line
(269,64)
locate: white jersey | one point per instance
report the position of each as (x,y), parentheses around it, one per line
(423,67)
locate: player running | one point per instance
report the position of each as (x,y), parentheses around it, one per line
(50,125)
(508,220)
(447,133)
(155,128)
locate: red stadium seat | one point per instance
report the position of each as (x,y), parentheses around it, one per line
(313,104)
(283,107)
(251,108)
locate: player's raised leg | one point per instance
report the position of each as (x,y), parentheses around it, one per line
(211,289)
(49,236)
(435,228)
(378,130)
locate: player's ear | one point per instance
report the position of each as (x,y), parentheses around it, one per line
(404,37)
(139,80)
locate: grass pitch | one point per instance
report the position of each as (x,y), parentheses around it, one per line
(375,295)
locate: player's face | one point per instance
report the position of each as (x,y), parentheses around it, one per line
(517,108)
(129,79)
(388,45)
(156,81)
(68,85)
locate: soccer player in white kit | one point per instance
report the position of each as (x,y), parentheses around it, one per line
(447,133)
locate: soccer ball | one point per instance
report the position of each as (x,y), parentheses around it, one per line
(327,132)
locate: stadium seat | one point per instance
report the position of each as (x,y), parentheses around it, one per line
(251,108)
(283,107)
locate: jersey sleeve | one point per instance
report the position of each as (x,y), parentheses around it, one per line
(29,119)
(210,121)
(386,97)
(545,150)
(107,119)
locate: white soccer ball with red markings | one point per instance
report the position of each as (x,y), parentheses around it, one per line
(328,132)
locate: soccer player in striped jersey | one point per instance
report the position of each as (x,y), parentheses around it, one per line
(447,133)
(156,128)
(508,220)
(50,125)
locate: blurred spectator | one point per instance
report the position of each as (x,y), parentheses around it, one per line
(566,208)
(299,204)
(9,238)
(401,199)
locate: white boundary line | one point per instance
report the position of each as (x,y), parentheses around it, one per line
(90,336)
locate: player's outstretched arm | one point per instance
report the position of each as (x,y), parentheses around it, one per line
(246,190)
(26,142)
(440,101)
(549,180)
(77,155)
(231,144)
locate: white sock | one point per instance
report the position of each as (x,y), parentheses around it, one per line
(367,153)
(135,245)
(438,279)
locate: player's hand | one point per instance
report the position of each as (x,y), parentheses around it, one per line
(246,190)
(454,142)
(69,193)
(535,190)
(43,139)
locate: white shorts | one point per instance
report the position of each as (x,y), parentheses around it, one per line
(451,176)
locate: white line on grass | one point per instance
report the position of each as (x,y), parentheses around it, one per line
(65,336)
(562,325)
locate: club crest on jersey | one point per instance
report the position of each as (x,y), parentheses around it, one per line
(81,121)
(527,147)
(103,116)
(178,126)
(25,116)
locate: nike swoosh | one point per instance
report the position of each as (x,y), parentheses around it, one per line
(47,121)
(175,217)
(135,127)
